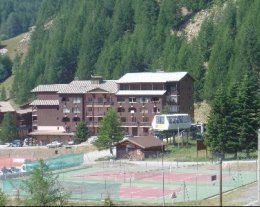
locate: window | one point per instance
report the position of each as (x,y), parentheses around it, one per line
(90,118)
(173,89)
(76,119)
(132,100)
(65,119)
(66,110)
(89,109)
(159,120)
(100,99)
(120,109)
(120,99)
(156,110)
(145,119)
(144,100)
(124,87)
(154,99)
(64,99)
(90,99)
(132,110)
(123,119)
(144,110)
(157,86)
(133,119)
(75,110)
(100,119)
(146,86)
(77,99)
(134,87)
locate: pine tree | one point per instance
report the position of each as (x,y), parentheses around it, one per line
(8,129)
(110,131)
(248,110)
(44,188)
(81,132)
(218,128)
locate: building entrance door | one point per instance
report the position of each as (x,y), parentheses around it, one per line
(134,131)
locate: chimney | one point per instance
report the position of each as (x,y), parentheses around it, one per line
(96,79)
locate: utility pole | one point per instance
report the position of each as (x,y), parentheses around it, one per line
(220,183)
(163,175)
(258,165)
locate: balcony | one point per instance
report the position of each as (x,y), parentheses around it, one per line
(144,124)
(129,124)
(98,103)
(90,114)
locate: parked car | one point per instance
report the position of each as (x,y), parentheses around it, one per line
(71,142)
(54,144)
(16,143)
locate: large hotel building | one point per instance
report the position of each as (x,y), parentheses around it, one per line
(137,97)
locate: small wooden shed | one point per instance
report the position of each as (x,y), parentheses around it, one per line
(138,148)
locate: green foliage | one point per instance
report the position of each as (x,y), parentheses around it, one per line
(3,198)
(81,132)
(217,136)
(8,128)
(233,121)
(5,67)
(44,188)
(17,16)
(3,94)
(108,201)
(113,37)
(110,131)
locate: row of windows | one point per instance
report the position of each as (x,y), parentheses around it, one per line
(119,99)
(134,119)
(141,110)
(74,110)
(135,100)
(67,119)
(144,86)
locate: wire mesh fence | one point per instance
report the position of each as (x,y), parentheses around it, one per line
(141,182)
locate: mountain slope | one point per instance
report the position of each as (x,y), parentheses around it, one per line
(112,37)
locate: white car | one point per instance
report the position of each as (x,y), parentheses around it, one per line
(71,142)
(54,144)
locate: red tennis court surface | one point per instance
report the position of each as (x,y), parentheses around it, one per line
(149,176)
(13,162)
(146,192)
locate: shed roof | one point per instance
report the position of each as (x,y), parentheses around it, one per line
(144,141)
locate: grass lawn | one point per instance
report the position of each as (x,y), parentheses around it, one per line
(188,152)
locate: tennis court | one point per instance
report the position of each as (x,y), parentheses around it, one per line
(136,184)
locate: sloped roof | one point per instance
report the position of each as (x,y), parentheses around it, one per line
(78,86)
(45,103)
(144,142)
(152,77)
(5,106)
(141,92)
(49,88)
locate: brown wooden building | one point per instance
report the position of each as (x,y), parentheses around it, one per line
(137,97)
(138,148)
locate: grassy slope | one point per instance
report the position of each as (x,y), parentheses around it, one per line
(14,46)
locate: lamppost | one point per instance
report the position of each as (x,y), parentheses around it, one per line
(220,155)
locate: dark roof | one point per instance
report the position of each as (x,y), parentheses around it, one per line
(144,142)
